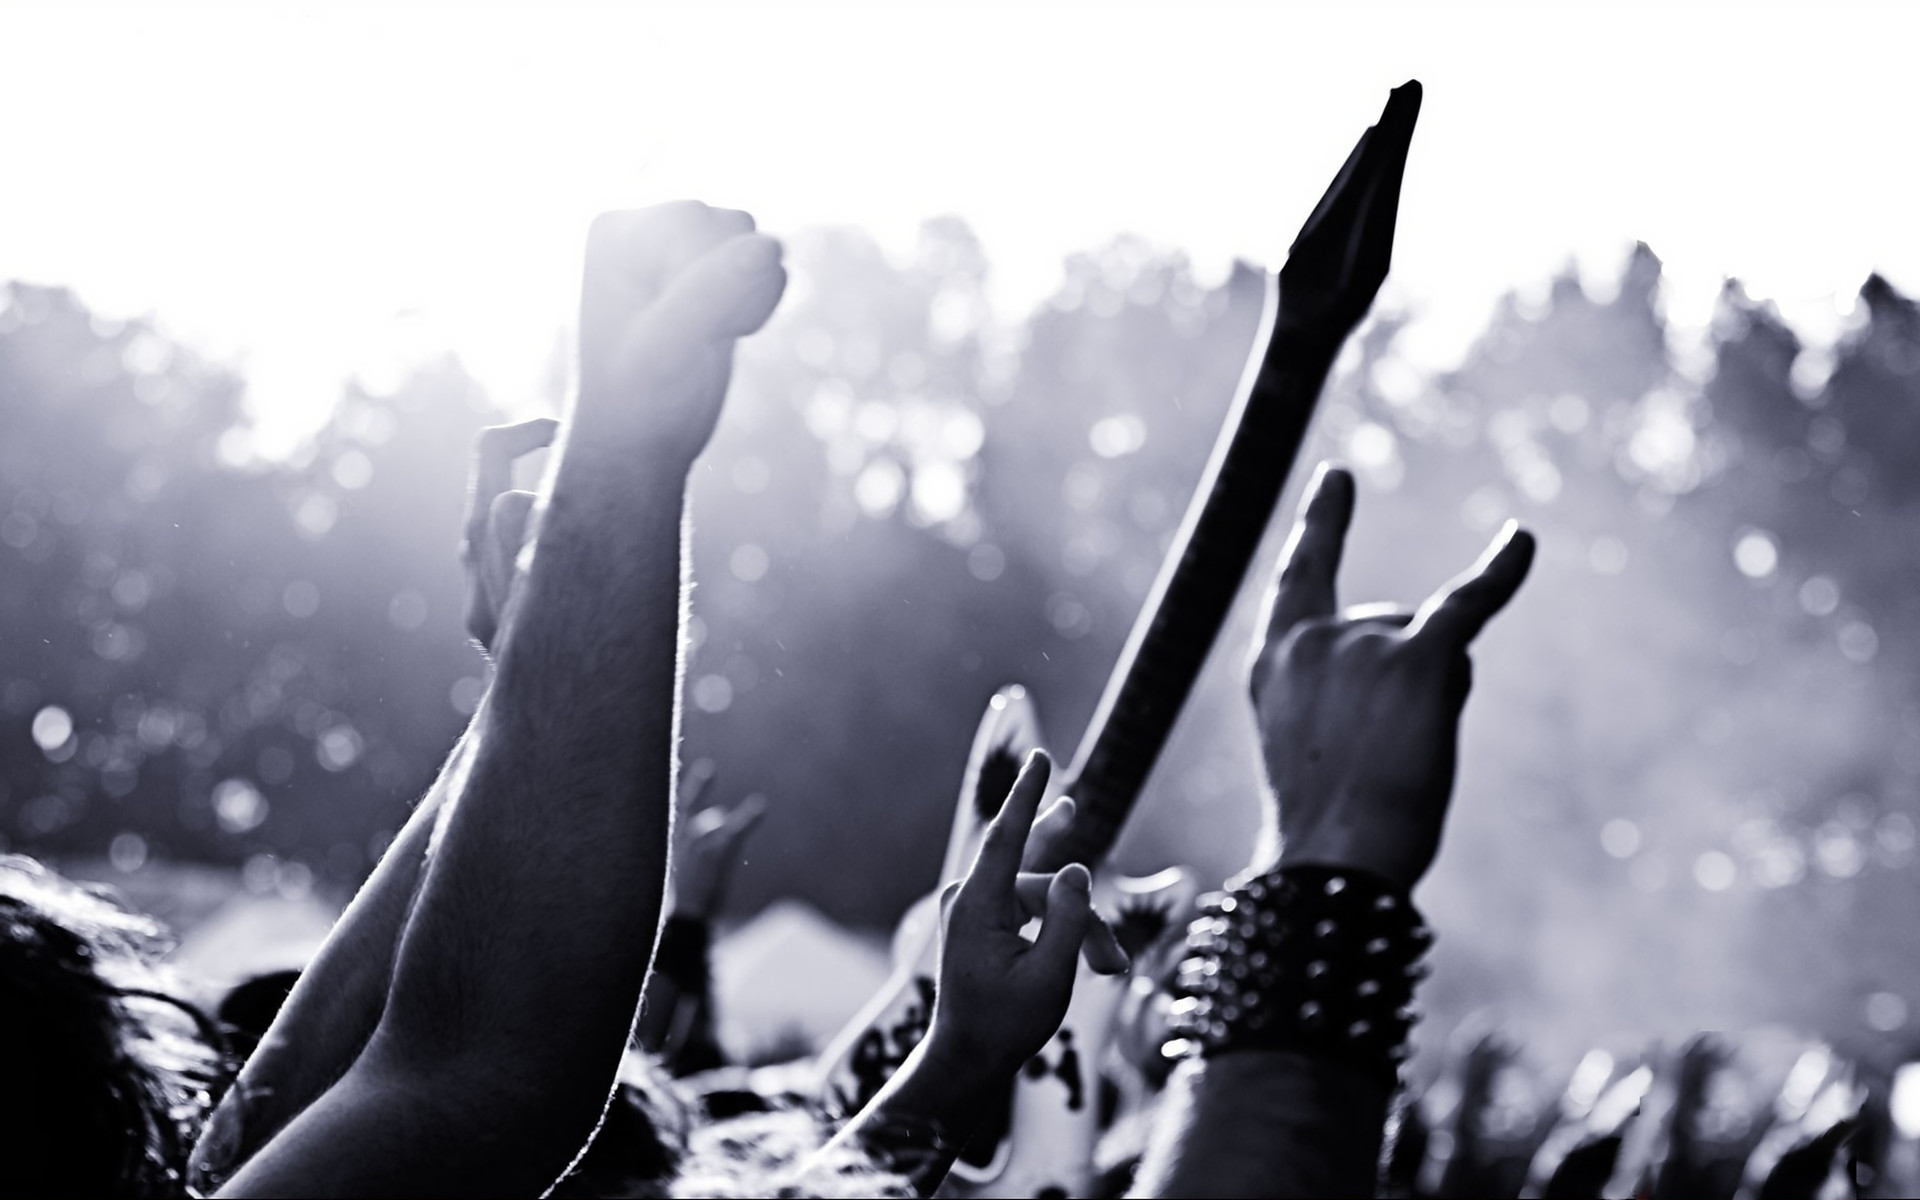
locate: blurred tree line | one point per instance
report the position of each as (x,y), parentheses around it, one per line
(1697,735)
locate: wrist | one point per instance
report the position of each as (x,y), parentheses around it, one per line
(967,1064)
(1393,870)
(1359,830)
(613,447)
(942,1085)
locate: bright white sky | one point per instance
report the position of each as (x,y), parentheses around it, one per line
(312,190)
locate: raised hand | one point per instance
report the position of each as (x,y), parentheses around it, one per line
(666,292)
(709,846)
(497,520)
(1359,712)
(1001,997)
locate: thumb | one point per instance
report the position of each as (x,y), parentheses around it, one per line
(1069,910)
(507,532)
(727,293)
(507,522)
(948,895)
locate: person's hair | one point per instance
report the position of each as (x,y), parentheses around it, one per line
(108,1076)
(655,1141)
(775,1154)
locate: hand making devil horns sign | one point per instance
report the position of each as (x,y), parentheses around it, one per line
(1359,711)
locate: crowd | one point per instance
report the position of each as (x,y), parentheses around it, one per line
(470,1027)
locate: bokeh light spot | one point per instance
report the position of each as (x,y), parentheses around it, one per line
(1620,838)
(1714,871)
(301,599)
(238,806)
(986,562)
(1756,554)
(1819,596)
(1607,556)
(353,470)
(712,693)
(465,694)
(127,852)
(407,610)
(52,727)
(1886,1011)
(748,563)
(1115,437)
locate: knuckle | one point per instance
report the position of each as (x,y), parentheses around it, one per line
(490,444)
(1303,561)
(610,229)
(1311,639)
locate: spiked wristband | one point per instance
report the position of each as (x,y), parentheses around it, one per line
(1316,960)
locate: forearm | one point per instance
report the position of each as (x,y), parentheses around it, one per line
(530,940)
(1297,999)
(673,1012)
(377,1132)
(337,1002)
(1267,1123)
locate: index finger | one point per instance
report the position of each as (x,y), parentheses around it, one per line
(1305,587)
(1457,613)
(694,779)
(997,866)
(494,452)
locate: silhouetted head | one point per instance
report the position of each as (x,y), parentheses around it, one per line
(106,1077)
(250,1006)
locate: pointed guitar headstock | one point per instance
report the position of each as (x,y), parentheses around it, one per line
(1341,255)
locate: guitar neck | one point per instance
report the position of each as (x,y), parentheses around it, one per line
(1198,582)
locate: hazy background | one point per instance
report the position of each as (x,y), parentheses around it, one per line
(278,262)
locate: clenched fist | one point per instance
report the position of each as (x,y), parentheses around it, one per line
(665,294)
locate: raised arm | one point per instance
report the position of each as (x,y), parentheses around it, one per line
(341,994)
(1299,982)
(676,1014)
(1000,997)
(522,961)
